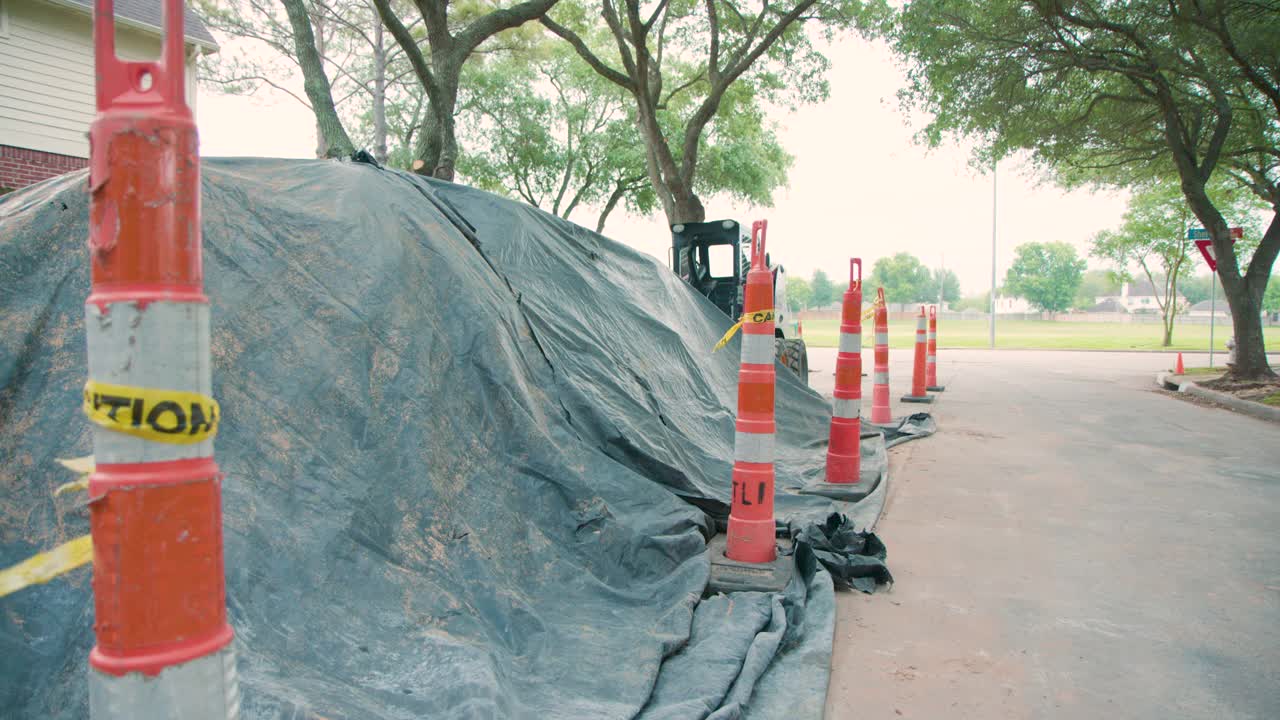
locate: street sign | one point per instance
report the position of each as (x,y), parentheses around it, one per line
(1201,238)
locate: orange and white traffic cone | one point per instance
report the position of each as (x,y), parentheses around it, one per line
(751,529)
(750,558)
(844,449)
(880,413)
(918,394)
(1179,369)
(164,647)
(799,328)
(931,358)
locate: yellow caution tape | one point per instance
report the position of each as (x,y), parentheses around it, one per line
(875,305)
(68,556)
(759,316)
(168,416)
(81,466)
(47,565)
(81,484)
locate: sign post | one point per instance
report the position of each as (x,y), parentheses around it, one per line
(1202,241)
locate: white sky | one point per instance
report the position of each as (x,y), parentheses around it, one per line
(860,186)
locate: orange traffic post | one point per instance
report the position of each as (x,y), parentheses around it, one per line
(918,394)
(931,359)
(880,413)
(749,560)
(164,647)
(844,449)
(1179,369)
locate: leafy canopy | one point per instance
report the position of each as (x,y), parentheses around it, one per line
(1046,274)
(824,292)
(905,279)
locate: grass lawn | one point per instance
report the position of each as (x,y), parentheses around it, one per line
(1040,334)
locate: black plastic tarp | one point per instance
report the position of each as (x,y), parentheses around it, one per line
(472,452)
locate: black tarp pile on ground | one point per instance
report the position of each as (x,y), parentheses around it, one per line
(471,457)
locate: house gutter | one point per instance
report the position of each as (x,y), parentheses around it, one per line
(205,47)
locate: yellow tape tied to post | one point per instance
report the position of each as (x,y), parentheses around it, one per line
(167,416)
(759,316)
(46,566)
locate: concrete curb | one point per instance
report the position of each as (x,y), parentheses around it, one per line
(1253,409)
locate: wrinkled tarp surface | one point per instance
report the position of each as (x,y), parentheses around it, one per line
(472,452)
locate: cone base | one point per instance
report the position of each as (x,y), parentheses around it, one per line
(935,388)
(916,398)
(734,576)
(844,469)
(846,492)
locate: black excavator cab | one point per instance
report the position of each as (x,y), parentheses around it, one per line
(708,256)
(713,258)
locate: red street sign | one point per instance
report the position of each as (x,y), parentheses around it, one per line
(1206,248)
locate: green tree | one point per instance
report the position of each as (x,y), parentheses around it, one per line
(1046,274)
(948,282)
(823,293)
(551,132)
(698,74)
(1153,239)
(1271,298)
(799,293)
(1093,285)
(353,77)
(1117,93)
(905,279)
(453,34)
(283,40)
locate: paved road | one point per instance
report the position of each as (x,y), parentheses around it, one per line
(1072,544)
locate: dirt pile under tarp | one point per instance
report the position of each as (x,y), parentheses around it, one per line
(471,455)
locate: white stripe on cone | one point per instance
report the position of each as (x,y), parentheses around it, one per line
(752,447)
(848,408)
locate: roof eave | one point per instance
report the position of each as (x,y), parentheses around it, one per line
(206,47)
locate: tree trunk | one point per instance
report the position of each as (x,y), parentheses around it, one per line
(437,152)
(1246,321)
(1242,290)
(379,92)
(1244,297)
(619,190)
(332,136)
(688,208)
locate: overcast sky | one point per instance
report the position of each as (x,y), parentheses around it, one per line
(859,187)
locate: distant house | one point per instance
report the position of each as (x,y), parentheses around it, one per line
(1140,296)
(1110,305)
(47,81)
(1205,308)
(1012,305)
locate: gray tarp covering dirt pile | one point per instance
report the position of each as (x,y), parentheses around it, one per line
(468,473)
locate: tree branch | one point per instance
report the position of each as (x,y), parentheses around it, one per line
(585,53)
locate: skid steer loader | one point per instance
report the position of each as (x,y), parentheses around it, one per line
(713,257)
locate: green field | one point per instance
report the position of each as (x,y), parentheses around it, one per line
(1041,334)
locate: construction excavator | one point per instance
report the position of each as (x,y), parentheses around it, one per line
(714,258)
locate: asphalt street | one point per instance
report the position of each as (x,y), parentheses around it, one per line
(1073,543)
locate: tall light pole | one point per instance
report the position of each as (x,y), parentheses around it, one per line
(993,254)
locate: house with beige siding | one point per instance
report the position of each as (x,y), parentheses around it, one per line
(46,78)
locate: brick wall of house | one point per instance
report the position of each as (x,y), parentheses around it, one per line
(20,167)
